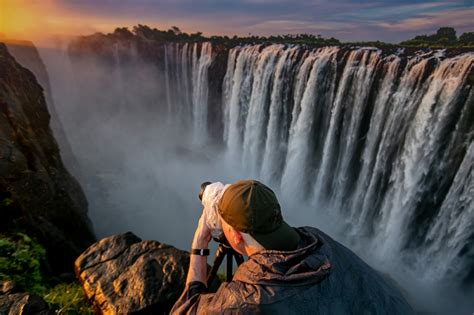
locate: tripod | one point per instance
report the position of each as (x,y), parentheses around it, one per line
(224,250)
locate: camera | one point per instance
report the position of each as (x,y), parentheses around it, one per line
(210,194)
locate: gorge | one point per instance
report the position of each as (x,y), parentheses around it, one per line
(372,145)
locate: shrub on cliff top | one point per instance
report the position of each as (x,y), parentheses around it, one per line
(20,261)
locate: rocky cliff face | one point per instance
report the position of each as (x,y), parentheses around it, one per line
(26,54)
(37,194)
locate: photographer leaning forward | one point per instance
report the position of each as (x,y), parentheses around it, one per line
(288,271)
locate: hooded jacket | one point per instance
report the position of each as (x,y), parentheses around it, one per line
(320,277)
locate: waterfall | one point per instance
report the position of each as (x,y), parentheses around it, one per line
(254,133)
(313,91)
(186,84)
(200,91)
(237,105)
(167,77)
(373,138)
(419,161)
(276,131)
(227,90)
(186,80)
(382,141)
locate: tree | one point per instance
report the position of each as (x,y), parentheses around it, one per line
(446,33)
(123,32)
(176,30)
(444,37)
(143,31)
(467,38)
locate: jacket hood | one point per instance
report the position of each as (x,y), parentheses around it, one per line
(308,264)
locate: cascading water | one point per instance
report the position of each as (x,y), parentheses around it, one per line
(316,71)
(373,153)
(186,71)
(365,136)
(239,88)
(201,91)
(277,120)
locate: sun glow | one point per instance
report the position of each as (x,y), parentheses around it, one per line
(44,21)
(39,20)
(19,19)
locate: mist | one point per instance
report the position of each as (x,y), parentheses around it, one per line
(141,167)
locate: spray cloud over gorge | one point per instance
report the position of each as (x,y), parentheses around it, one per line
(374,148)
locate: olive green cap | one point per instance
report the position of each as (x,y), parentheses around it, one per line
(251,207)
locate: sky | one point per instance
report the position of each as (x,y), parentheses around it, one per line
(390,21)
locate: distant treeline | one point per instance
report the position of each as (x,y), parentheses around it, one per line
(444,37)
(175,34)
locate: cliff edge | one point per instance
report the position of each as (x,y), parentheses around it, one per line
(37,193)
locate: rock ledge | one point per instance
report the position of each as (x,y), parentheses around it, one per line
(122,274)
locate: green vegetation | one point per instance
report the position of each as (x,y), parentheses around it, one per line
(21,259)
(6,202)
(444,37)
(295,39)
(68,299)
(143,32)
(147,33)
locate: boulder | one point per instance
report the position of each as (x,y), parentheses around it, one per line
(23,304)
(122,274)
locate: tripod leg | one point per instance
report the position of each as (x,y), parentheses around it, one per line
(229,267)
(239,259)
(220,254)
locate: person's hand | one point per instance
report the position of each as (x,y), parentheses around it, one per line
(202,236)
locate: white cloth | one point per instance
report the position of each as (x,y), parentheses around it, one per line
(210,200)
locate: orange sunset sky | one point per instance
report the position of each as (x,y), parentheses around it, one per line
(347,20)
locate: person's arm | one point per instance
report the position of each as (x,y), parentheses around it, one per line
(198,264)
(196,281)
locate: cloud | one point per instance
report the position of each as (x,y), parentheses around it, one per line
(292,26)
(380,11)
(265,1)
(459,18)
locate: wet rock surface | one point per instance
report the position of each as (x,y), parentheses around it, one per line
(122,274)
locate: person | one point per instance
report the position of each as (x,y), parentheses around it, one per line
(288,271)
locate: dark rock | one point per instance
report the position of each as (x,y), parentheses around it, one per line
(8,287)
(23,304)
(26,54)
(67,277)
(37,194)
(216,75)
(122,274)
